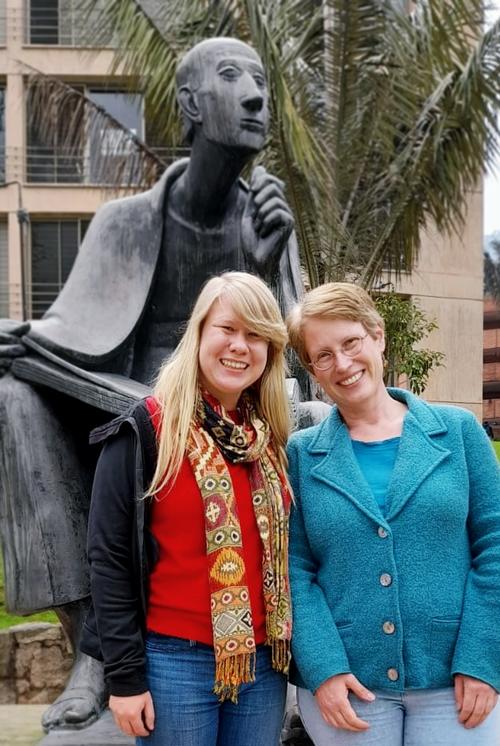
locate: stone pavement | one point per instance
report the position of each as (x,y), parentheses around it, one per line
(20,726)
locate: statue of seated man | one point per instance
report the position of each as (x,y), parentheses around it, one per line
(136,276)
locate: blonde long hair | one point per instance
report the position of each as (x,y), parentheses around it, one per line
(177,384)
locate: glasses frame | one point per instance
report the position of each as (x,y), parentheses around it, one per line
(314,363)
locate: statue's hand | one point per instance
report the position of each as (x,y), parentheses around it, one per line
(266,224)
(10,342)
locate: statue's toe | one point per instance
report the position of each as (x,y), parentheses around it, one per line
(77,707)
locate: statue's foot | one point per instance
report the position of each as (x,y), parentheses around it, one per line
(81,703)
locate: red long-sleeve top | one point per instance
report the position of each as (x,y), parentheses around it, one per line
(179,595)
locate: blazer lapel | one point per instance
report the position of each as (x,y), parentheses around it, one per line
(340,470)
(418,456)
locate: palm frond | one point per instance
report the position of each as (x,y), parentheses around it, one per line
(120,159)
(382,119)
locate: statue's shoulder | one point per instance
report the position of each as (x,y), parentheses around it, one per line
(150,200)
(128,204)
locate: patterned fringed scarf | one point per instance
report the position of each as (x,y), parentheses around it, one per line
(213,438)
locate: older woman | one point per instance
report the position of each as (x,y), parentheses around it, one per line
(394,548)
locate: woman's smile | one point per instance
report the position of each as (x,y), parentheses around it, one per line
(352,379)
(232,357)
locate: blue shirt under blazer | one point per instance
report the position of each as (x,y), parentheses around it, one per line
(405,601)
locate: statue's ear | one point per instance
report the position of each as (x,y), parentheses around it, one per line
(188,101)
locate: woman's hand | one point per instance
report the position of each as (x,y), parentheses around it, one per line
(475,700)
(334,704)
(135,716)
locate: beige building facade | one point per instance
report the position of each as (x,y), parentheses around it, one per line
(47,198)
(448,285)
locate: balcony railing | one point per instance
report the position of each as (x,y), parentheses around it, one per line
(65,23)
(3,24)
(40,296)
(44,165)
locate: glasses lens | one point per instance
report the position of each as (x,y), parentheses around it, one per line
(323,361)
(352,346)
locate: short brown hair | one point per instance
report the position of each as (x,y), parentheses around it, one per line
(334,300)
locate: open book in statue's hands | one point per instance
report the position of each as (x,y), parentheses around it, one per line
(110,392)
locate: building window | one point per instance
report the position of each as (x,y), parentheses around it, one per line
(44,21)
(65,23)
(4,270)
(109,148)
(97,153)
(54,246)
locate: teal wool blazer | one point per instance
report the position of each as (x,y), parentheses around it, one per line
(405,601)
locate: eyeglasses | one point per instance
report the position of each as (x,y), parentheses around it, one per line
(349,347)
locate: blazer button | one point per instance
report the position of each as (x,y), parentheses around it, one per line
(382,532)
(392,674)
(389,628)
(385,579)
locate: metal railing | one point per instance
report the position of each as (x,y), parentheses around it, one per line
(169,155)
(3,24)
(66,23)
(45,165)
(41,295)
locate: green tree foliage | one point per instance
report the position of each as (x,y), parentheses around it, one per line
(382,120)
(492,269)
(406,326)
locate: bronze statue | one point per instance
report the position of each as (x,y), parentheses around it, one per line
(141,266)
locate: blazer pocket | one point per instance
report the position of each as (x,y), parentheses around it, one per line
(343,626)
(345,633)
(444,633)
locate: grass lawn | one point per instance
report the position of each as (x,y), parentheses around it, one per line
(496,446)
(8,620)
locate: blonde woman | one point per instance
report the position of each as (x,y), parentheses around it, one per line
(189,585)
(394,549)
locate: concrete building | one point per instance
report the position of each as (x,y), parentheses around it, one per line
(448,285)
(48,198)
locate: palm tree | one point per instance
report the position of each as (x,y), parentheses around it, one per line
(382,119)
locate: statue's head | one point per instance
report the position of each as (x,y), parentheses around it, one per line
(222,91)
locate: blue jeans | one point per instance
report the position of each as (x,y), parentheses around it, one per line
(419,717)
(187,712)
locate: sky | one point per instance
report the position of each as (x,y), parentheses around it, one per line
(492,182)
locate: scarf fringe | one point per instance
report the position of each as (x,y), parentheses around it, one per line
(280,655)
(231,672)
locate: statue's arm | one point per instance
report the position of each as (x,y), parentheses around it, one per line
(267,224)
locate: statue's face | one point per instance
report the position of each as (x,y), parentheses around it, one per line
(233,97)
